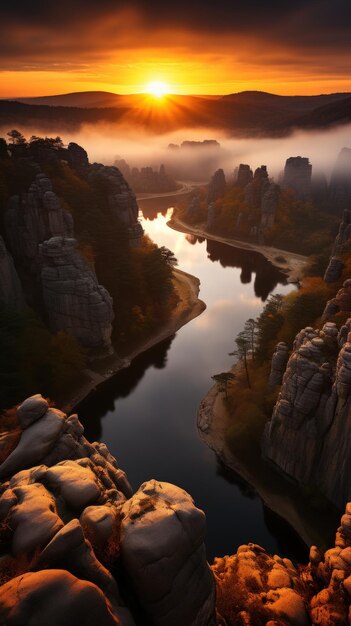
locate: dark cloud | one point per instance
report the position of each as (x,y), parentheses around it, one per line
(43,31)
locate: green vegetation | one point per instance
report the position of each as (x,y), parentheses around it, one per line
(250,399)
(301,227)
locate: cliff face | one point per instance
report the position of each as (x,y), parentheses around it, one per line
(305,437)
(34,217)
(74,301)
(342,241)
(121,198)
(69,516)
(56,280)
(11,293)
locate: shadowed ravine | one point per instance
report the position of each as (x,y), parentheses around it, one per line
(146,414)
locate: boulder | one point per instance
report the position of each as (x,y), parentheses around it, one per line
(54,597)
(162,546)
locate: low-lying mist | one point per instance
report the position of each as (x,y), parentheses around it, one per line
(106,143)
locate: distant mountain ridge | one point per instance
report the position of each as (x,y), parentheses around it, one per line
(246,113)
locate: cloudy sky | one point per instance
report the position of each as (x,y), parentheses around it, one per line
(222,46)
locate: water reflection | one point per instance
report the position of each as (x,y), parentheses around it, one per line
(266,278)
(97,405)
(147,413)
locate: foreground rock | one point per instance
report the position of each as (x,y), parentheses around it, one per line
(67,509)
(170,584)
(254,588)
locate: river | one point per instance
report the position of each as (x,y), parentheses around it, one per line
(146,414)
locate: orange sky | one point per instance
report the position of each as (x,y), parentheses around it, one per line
(300,47)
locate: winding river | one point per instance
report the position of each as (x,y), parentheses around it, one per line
(146,414)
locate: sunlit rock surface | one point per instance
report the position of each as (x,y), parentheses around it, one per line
(74,300)
(174,585)
(55,597)
(254,588)
(66,507)
(305,437)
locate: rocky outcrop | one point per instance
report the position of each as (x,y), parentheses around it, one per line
(255,190)
(68,516)
(297,176)
(269,204)
(342,242)
(121,199)
(194,209)
(340,183)
(217,186)
(305,437)
(244,175)
(11,293)
(279,361)
(341,302)
(74,300)
(157,518)
(33,217)
(255,588)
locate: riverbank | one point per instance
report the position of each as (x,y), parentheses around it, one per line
(289,263)
(313,524)
(189,306)
(182,191)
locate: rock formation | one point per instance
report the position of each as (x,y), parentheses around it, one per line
(297,176)
(68,514)
(279,361)
(255,588)
(74,301)
(341,302)
(120,197)
(217,186)
(33,217)
(244,175)
(11,293)
(305,437)
(269,204)
(342,242)
(255,190)
(340,183)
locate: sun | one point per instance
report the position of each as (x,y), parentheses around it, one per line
(157,88)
